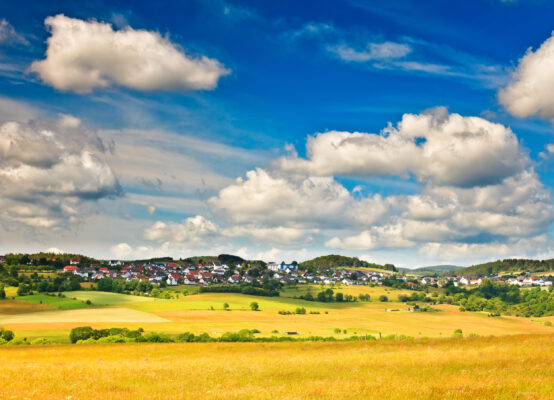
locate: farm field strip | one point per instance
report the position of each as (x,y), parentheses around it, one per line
(485,368)
(84,316)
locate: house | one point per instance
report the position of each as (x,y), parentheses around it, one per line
(74,261)
(173,279)
(114,263)
(70,268)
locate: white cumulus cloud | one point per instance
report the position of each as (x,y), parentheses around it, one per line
(437,147)
(530,91)
(86,55)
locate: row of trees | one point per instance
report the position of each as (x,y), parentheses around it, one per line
(328,295)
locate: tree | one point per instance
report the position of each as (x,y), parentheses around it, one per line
(339,297)
(254,306)
(105,284)
(2,292)
(7,335)
(80,333)
(226,306)
(383,298)
(23,289)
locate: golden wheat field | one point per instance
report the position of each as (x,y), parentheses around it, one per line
(513,367)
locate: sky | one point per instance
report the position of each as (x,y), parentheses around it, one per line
(408,132)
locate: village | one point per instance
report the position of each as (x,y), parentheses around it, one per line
(205,274)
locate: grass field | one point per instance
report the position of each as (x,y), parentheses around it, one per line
(62,303)
(513,367)
(193,313)
(354,290)
(107,299)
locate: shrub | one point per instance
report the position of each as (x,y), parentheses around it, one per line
(86,341)
(185,337)
(154,337)
(254,306)
(3,341)
(458,333)
(80,333)
(7,335)
(18,341)
(300,310)
(111,339)
(383,298)
(548,323)
(41,340)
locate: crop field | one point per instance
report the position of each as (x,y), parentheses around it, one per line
(108,299)
(10,291)
(511,367)
(204,313)
(9,307)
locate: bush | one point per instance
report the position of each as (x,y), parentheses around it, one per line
(41,340)
(3,341)
(111,339)
(7,335)
(548,323)
(87,341)
(23,290)
(254,306)
(80,333)
(300,310)
(185,337)
(18,341)
(154,337)
(383,298)
(458,333)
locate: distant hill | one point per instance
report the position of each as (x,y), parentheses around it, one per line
(432,269)
(337,261)
(509,266)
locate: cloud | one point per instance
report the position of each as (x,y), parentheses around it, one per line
(87,55)
(279,235)
(49,169)
(518,248)
(379,237)
(192,232)
(299,202)
(437,147)
(8,35)
(373,51)
(168,155)
(519,207)
(530,91)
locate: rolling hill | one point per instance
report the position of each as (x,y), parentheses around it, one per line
(509,266)
(337,261)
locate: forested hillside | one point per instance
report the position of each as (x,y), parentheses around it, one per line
(509,266)
(337,261)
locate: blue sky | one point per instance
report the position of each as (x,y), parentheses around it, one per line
(434,121)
